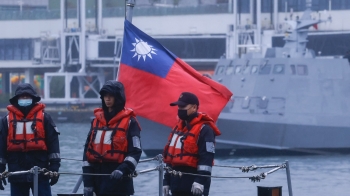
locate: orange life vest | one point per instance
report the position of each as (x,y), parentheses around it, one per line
(182,148)
(26,134)
(108,142)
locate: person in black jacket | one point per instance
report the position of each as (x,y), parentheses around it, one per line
(28,138)
(112,146)
(190,149)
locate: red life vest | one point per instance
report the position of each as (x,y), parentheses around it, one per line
(26,134)
(108,142)
(182,148)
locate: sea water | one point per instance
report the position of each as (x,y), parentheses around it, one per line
(310,175)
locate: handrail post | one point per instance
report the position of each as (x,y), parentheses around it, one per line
(36,171)
(289,180)
(161,173)
(77,185)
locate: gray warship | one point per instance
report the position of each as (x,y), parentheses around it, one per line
(287,102)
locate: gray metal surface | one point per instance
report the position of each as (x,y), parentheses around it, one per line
(286,101)
(289,99)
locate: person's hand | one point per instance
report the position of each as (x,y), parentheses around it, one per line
(116,174)
(53,177)
(53,172)
(166,190)
(197,189)
(3,181)
(88,191)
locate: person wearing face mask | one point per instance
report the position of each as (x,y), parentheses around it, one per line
(190,148)
(28,138)
(112,146)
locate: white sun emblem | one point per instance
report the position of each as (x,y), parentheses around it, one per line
(142,49)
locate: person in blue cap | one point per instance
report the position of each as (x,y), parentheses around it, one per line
(190,149)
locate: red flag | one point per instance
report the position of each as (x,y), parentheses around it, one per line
(315,26)
(154,77)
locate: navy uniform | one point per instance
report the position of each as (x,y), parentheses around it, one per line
(112,147)
(190,149)
(28,138)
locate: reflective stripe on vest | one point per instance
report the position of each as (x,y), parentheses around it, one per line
(108,143)
(182,148)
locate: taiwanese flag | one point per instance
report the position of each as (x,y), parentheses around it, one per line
(154,77)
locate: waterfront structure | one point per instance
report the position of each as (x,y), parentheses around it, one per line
(74,45)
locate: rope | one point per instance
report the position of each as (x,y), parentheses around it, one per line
(157,158)
(256,178)
(169,170)
(6,174)
(174,172)
(246,169)
(84,174)
(147,160)
(134,174)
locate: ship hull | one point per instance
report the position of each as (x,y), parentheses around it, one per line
(247,138)
(154,136)
(243,137)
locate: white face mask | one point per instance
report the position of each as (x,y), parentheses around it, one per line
(25,102)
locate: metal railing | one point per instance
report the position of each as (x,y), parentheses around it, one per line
(161,167)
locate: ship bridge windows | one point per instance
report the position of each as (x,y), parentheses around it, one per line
(229,70)
(265,69)
(238,69)
(254,69)
(302,70)
(292,69)
(220,70)
(246,69)
(278,69)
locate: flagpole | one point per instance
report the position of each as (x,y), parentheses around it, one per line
(129,6)
(128,10)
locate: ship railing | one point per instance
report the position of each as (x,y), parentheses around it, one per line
(161,168)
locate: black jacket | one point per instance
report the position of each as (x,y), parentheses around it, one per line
(104,184)
(184,184)
(19,161)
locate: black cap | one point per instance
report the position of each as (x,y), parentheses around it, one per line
(185,99)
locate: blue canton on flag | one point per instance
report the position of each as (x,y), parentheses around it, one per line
(145,53)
